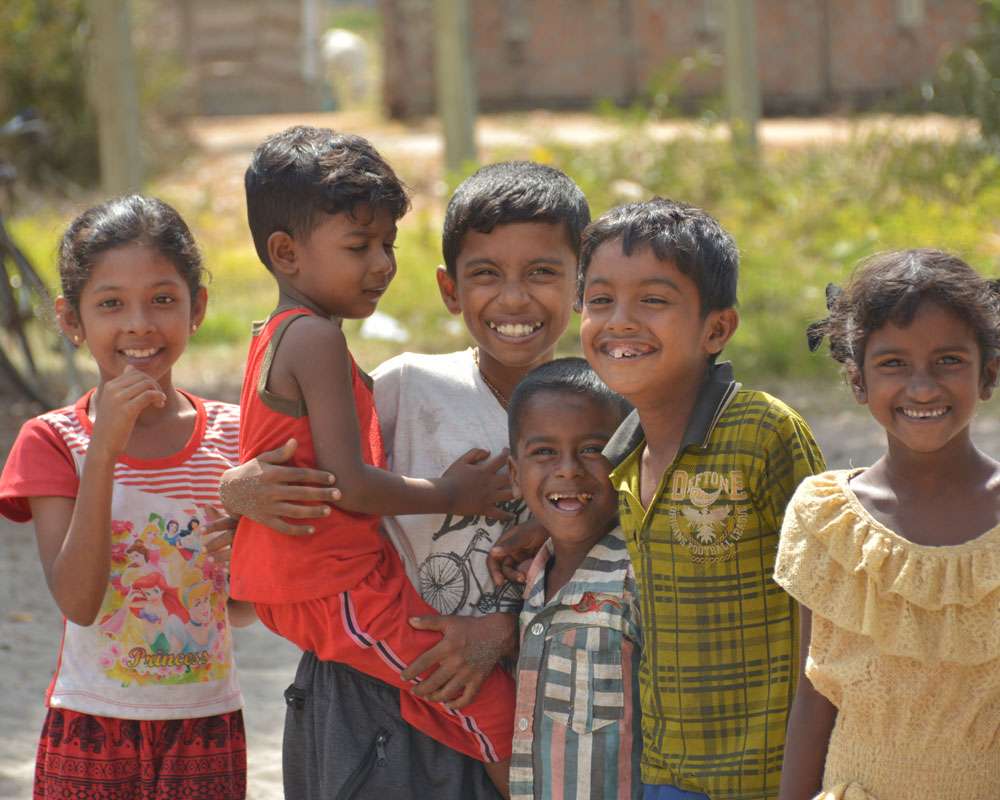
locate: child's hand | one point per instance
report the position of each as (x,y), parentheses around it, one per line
(267,492)
(121,401)
(464,658)
(514,547)
(476,485)
(217,535)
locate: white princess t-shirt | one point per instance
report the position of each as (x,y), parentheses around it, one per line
(160,647)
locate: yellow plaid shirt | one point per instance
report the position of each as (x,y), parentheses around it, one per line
(721,657)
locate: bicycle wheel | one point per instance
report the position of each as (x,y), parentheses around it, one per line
(37,359)
(444,582)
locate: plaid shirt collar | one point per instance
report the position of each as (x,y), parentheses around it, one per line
(610,564)
(714,396)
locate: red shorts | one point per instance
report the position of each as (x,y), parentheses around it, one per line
(105,758)
(367,628)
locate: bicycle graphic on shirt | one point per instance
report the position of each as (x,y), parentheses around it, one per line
(446,579)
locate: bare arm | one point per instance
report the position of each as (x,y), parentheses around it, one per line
(471,486)
(74,536)
(810,724)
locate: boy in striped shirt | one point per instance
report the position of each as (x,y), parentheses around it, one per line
(576,725)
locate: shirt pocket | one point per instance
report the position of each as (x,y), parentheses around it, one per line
(583,688)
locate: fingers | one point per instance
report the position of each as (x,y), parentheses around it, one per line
(493,561)
(420,665)
(298,510)
(467,696)
(432,622)
(287,528)
(279,455)
(500,514)
(474,456)
(509,569)
(433,682)
(219,523)
(496,463)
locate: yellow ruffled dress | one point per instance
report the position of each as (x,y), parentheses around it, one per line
(905,643)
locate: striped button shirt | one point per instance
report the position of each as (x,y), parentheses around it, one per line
(720,658)
(576,729)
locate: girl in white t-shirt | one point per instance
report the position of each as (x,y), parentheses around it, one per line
(144,701)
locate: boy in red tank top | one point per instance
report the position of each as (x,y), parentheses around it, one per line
(322,209)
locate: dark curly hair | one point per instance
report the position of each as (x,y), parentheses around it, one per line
(677,232)
(891,287)
(133,219)
(303,171)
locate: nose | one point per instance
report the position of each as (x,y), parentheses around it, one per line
(138,320)
(922,386)
(513,295)
(385,264)
(622,319)
(569,465)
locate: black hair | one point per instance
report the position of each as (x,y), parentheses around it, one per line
(682,234)
(892,286)
(303,171)
(512,191)
(567,375)
(132,219)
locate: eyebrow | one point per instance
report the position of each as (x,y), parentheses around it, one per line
(107,287)
(476,262)
(948,348)
(587,437)
(645,282)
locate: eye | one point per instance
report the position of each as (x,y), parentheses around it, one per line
(890,363)
(164,299)
(951,360)
(543,272)
(592,449)
(109,303)
(542,451)
(655,300)
(598,300)
(358,248)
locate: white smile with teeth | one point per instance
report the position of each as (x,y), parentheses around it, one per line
(514,329)
(569,502)
(626,350)
(924,413)
(149,351)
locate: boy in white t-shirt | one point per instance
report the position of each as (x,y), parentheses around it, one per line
(511,239)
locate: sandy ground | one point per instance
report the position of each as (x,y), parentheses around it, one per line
(30,625)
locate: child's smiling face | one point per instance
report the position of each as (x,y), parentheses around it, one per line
(558,468)
(514,288)
(921,382)
(643,330)
(135,309)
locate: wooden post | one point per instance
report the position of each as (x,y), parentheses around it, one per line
(742,82)
(115,94)
(456,88)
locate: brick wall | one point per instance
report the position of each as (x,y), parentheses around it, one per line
(813,54)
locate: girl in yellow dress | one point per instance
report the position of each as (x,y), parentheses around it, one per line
(896,567)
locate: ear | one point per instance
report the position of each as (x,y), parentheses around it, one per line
(282,254)
(990,370)
(856,380)
(720,325)
(448,287)
(515,487)
(198,306)
(69,321)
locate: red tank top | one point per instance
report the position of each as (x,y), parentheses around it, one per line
(270,567)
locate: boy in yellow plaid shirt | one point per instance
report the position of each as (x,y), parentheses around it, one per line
(704,471)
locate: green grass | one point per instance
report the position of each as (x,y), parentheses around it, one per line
(801,218)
